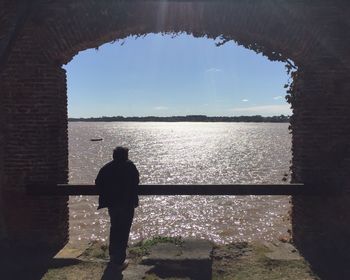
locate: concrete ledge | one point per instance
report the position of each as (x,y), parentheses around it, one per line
(282,251)
(235,189)
(190,259)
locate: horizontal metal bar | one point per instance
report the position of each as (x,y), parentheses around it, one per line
(236,189)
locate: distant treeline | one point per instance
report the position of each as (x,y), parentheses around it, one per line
(189,118)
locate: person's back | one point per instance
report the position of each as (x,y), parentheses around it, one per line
(117,183)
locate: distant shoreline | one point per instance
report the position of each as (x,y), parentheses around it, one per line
(189,118)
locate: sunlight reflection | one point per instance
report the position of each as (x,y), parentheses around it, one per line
(186,153)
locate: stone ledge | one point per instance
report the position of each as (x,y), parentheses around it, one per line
(282,251)
(190,259)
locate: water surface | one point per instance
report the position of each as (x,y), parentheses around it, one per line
(186,153)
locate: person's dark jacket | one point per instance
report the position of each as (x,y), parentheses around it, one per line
(117,184)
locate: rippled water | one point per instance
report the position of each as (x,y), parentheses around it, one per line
(186,153)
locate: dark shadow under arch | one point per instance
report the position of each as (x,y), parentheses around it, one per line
(33,113)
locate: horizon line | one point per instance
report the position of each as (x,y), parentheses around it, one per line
(183,116)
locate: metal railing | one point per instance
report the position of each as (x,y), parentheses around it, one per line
(235,189)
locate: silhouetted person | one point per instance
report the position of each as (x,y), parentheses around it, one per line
(117,183)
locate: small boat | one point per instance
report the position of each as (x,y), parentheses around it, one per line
(96,139)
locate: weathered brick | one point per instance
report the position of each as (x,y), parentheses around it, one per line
(33,101)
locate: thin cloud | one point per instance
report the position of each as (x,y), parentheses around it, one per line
(160,108)
(213,70)
(264,110)
(278,97)
(244,100)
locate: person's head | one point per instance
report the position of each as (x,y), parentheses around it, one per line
(120,153)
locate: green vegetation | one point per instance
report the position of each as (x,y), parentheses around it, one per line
(236,261)
(83,270)
(243,261)
(96,250)
(142,248)
(189,118)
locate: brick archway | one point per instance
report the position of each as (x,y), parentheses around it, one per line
(47,34)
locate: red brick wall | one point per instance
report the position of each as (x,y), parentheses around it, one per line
(2,145)
(33,113)
(321,154)
(34,110)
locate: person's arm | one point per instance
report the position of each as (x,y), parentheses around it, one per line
(136,179)
(100,185)
(137,176)
(133,174)
(99,181)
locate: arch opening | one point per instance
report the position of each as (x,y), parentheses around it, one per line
(33,99)
(173,73)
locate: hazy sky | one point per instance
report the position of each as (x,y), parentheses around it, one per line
(164,76)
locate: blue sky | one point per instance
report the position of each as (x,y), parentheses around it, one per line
(163,75)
